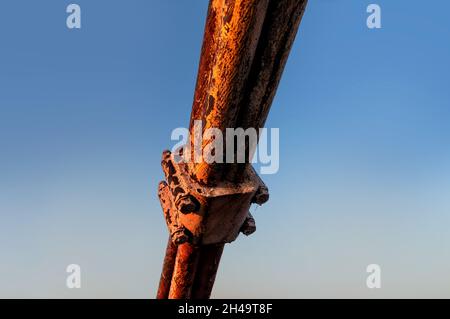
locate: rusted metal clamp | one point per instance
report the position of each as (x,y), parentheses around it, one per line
(204,215)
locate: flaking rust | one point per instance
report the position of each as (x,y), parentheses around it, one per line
(245,48)
(221,212)
(178,233)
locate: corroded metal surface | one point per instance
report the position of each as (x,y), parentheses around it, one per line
(245,48)
(277,37)
(231,37)
(167,272)
(249,225)
(208,263)
(184,271)
(275,43)
(220,210)
(178,233)
(182,200)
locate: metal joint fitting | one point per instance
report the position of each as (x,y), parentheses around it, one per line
(206,215)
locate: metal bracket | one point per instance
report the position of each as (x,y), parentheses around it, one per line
(208,215)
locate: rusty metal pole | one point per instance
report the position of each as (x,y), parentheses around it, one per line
(167,272)
(243,57)
(245,48)
(207,266)
(184,271)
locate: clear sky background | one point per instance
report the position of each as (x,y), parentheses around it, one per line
(364,158)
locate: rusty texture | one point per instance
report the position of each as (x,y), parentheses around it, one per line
(245,49)
(183,201)
(177,231)
(262,193)
(184,271)
(231,37)
(220,210)
(278,34)
(277,37)
(167,272)
(249,226)
(208,263)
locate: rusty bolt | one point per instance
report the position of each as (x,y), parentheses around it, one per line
(165,155)
(187,204)
(249,226)
(179,236)
(261,195)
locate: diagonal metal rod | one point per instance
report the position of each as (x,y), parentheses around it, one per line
(245,48)
(184,271)
(167,272)
(207,266)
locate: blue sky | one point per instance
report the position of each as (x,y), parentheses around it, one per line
(364,153)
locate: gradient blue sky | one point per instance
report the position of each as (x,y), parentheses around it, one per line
(364,165)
